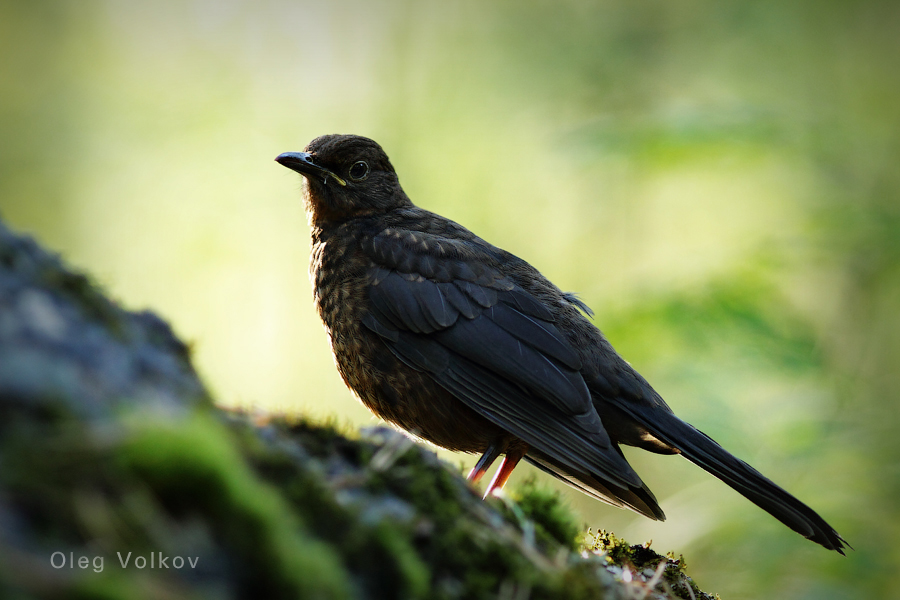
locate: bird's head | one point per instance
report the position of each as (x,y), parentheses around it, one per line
(346,176)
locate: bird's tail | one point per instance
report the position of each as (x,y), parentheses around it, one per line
(703,451)
(639,499)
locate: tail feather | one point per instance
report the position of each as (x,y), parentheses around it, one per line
(639,499)
(703,451)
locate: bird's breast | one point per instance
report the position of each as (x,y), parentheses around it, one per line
(338,277)
(339,272)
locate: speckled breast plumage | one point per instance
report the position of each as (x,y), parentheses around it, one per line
(399,394)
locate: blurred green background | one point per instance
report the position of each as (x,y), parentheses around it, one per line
(719,180)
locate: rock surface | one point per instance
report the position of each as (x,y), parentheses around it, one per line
(119,478)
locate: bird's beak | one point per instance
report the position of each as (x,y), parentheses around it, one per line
(303,164)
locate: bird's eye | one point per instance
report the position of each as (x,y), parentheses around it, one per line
(359,170)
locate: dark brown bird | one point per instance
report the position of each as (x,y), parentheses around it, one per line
(471,348)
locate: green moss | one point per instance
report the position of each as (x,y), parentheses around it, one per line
(114,587)
(52,460)
(641,559)
(552,519)
(294,510)
(194,466)
(616,550)
(378,546)
(411,576)
(84,294)
(323,438)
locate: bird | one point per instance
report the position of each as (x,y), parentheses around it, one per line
(469,347)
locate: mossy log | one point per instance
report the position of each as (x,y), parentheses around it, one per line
(119,478)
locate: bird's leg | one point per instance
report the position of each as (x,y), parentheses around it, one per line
(506,468)
(495,449)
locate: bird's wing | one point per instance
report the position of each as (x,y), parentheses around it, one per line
(441,308)
(639,499)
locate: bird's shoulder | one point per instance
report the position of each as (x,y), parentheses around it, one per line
(421,246)
(416,241)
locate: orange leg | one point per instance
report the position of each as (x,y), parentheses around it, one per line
(506,468)
(494,450)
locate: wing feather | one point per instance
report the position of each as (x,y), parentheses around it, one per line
(445,309)
(517,411)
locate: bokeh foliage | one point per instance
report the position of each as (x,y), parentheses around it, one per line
(718,180)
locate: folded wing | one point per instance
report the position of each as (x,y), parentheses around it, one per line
(443,309)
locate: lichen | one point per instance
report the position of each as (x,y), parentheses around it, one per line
(638,565)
